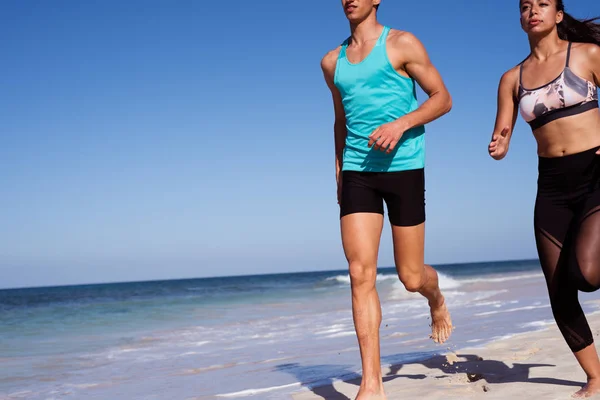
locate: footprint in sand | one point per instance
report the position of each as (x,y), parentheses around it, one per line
(525,354)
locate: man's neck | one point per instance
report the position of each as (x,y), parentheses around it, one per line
(365,30)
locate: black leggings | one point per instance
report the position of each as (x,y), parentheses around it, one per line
(567,233)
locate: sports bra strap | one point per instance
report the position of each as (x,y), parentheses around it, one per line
(521,73)
(568,54)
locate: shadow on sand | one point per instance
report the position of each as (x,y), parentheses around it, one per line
(317,378)
(491,370)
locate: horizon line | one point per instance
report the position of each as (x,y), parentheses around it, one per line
(241,275)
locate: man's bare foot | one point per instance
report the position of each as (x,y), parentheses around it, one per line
(591,388)
(366,394)
(441,324)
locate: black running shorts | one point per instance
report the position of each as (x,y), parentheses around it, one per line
(402,191)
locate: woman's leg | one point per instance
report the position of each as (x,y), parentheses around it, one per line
(585,273)
(555,234)
(585,261)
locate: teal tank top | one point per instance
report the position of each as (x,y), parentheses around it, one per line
(374,93)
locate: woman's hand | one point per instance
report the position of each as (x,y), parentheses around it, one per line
(499,145)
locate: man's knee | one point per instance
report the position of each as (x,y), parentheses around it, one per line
(413,281)
(362,275)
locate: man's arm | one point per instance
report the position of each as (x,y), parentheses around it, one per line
(409,54)
(418,65)
(339,127)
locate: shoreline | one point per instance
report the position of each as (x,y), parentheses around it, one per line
(535,365)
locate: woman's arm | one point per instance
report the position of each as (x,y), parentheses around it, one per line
(506,114)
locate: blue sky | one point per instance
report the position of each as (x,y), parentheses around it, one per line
(155,140)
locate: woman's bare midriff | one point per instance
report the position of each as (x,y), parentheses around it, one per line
(569,135)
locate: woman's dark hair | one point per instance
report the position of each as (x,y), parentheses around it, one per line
(575,30)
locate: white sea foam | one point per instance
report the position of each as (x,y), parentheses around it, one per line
(396,335)
(272,360)
(130,350)
(196,371)
(252,392)
(341,334)
(487,294)
(264,336)
(400,293)
(189,353)
(447,282)
(489,303)
(510,310)
(82,385)
(332,329)
(342,320)
(503,279)
(411,341)
(239,347)
(20,395)
(537,324)
(503,337)
(346,278)
(394,308)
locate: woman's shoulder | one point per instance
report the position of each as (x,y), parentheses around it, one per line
(589,50)
(511,76)
(587,57)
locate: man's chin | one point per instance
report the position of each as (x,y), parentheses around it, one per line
(354,20)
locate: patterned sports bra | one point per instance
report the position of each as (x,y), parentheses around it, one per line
(566,95)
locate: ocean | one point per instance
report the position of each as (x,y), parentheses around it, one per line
(260,337)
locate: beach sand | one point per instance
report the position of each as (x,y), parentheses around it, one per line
(532,365)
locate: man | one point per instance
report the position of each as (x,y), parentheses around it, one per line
(380,156)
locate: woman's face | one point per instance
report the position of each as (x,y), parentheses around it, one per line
(539,16)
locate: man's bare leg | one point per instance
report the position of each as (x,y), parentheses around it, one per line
(361,234)
(409,254)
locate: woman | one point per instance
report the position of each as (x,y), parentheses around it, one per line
(555,91)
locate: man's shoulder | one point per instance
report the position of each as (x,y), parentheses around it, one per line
(329,60)
(402,38)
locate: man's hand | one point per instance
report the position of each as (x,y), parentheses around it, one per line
(386,137)
(499,145)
